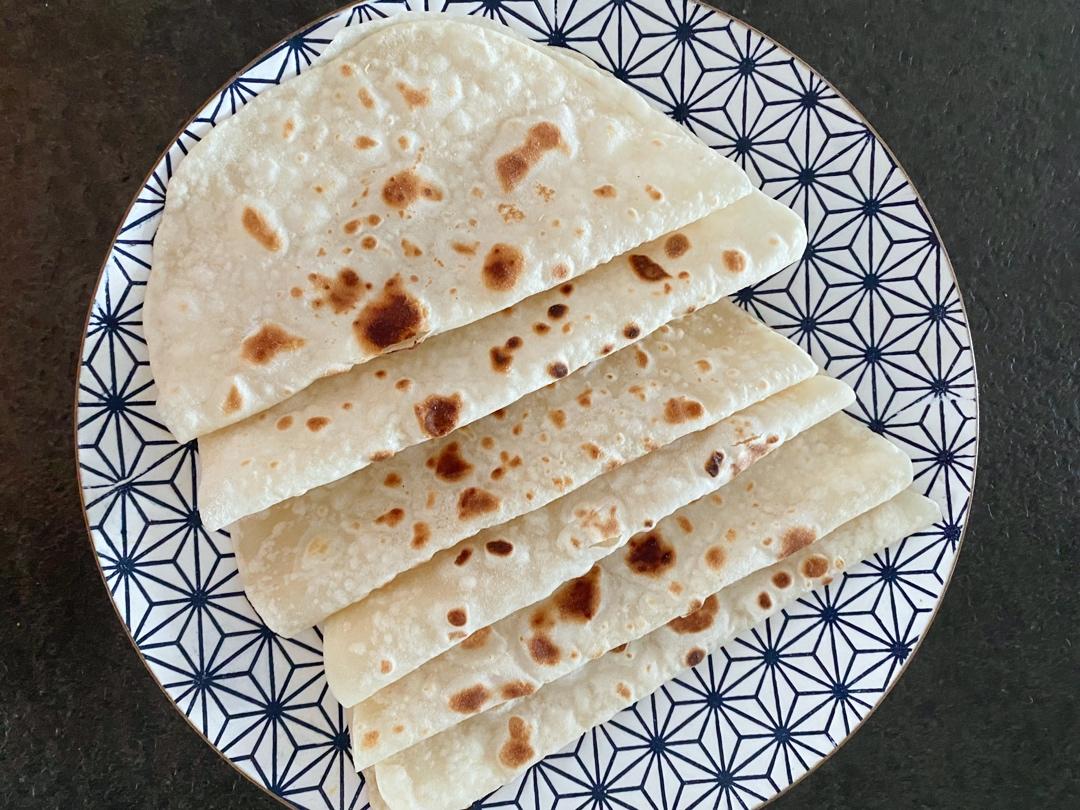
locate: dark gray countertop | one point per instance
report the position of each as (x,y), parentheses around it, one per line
(980,102)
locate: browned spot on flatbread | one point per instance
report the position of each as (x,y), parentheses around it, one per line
(781,579)
(654,193)
(579,599)
(631,331)
(284,423)
(734,260)
(438,414)
(457,617)
(271,339)
(410,250)
(259,229)
(512,167)
(815,566)
(682,409)
(450,465)
(584,399)
(713,463)
(500,548)
(233,401)
(392,480)
(370,739)
(729,535)
(369,242)
(516,751)
(676,245)
(474,502)
(392,318)
(541,328)
(715,557)
(685,524)
(515,689)
(593,451)
(317,423)
(606,191)
(352,226)
(463,557)
(619,649)
(364,142)
(391,517)
(404,188)
(465,249)
(697,620)
(502,267)
(557,417)
(695,657)
(704,366)
(288,128)
(646,269)
(365,97)
(477,639)
(649,554)
(342,292)
(470,700)
(556,311)
(796,538)
(413,96)
(544,651)
(642,358)
(510,213)
(385,667)
(421,533)
(558,370)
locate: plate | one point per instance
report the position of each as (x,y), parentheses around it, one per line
(873,299)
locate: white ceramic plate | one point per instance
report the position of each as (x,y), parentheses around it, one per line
(873,299)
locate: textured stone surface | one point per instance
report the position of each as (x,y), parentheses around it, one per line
(979,100)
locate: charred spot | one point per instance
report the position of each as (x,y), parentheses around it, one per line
(681,409)
(233,401)
(393,318)
(544,651)
(619,649)
(646,269)
(815,566)
(391,517)
(764,601)
(556,311)
(438,414)
(392,480)
(502,267)
(516,751)
(695,657)
(414,97)
(649,554)
(579,599)
(457,617)
(541,328)
(698,620)
(606,191)
(676,245)
(500,548)
(715,557)
(421,533)
(450,465)
(270,340)
(385,667)
(284,423)
(516,689)
(512,167)
(342,292)
(477,639)
(796,538)
(259,229)
(734,261)
(369,242)
(317,423)
(781,579)
(631,331)
(474,502)
(404,188)
(462,557)
(470,700)
(713,463)
(558,370)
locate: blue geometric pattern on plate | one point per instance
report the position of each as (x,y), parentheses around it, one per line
(873,299)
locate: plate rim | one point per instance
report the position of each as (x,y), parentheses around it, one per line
(975,400)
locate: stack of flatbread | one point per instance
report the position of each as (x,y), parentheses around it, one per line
(446,316)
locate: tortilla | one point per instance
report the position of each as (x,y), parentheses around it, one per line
(303,559)
(343,423)
(432,173)
(767,513)
(429,609)
(495,746)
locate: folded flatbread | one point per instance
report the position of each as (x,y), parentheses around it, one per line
(309,556)
(431,173)
(817,481)
(428,609)
(495,746)
(341,424)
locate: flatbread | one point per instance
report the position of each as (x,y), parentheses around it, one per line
(429,609)
(309,556)
(817,481)
(447,165)
(495,746)
(341,424)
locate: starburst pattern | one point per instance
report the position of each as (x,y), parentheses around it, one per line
(873,299)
